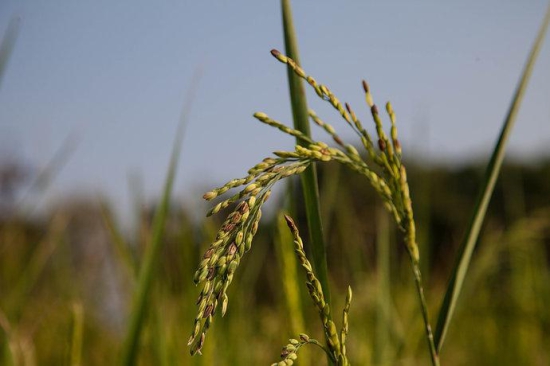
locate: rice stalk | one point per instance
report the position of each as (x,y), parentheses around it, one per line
(308,179)
(383,169)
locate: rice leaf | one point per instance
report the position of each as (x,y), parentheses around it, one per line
(493,168)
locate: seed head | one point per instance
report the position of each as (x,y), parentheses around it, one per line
(365,86)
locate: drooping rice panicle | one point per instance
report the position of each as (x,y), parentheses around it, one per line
(383,169)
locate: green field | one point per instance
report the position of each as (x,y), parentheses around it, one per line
(387,257)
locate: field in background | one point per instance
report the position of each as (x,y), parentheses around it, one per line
(66,281)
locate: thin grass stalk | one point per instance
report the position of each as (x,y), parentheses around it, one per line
(424,307)
(6,46)
(47,175)
(309,176)
(493,168)
(152,253)
(38,262)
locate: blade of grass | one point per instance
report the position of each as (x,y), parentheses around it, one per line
(7,44)
(37,263)
(46,176)
(152,251)
(309,177)
(491,175)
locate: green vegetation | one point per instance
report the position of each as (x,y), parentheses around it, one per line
(75,289)
(71,258)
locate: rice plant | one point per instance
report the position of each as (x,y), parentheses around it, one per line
(381,165)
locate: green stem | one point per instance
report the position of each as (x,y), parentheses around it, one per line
(429,335)
(309,177)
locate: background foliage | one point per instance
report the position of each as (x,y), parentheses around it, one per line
(67,278)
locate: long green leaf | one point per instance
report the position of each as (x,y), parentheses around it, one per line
(491,175)
(309,177)
(145,279)
(152,253)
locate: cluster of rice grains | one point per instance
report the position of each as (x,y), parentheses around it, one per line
(234,238)
(382,167)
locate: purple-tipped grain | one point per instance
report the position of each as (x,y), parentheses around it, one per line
(348,107)
(365,86)
(290,222)
(208,311)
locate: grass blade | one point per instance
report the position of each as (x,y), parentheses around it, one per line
(308,177)
(152,252)
(6,46)
(130,348)
(491,175)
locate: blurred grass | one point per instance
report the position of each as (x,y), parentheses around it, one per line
(71,258)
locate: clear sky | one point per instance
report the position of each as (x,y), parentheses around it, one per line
(113,75)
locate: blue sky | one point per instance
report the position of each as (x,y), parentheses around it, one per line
(114,76)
